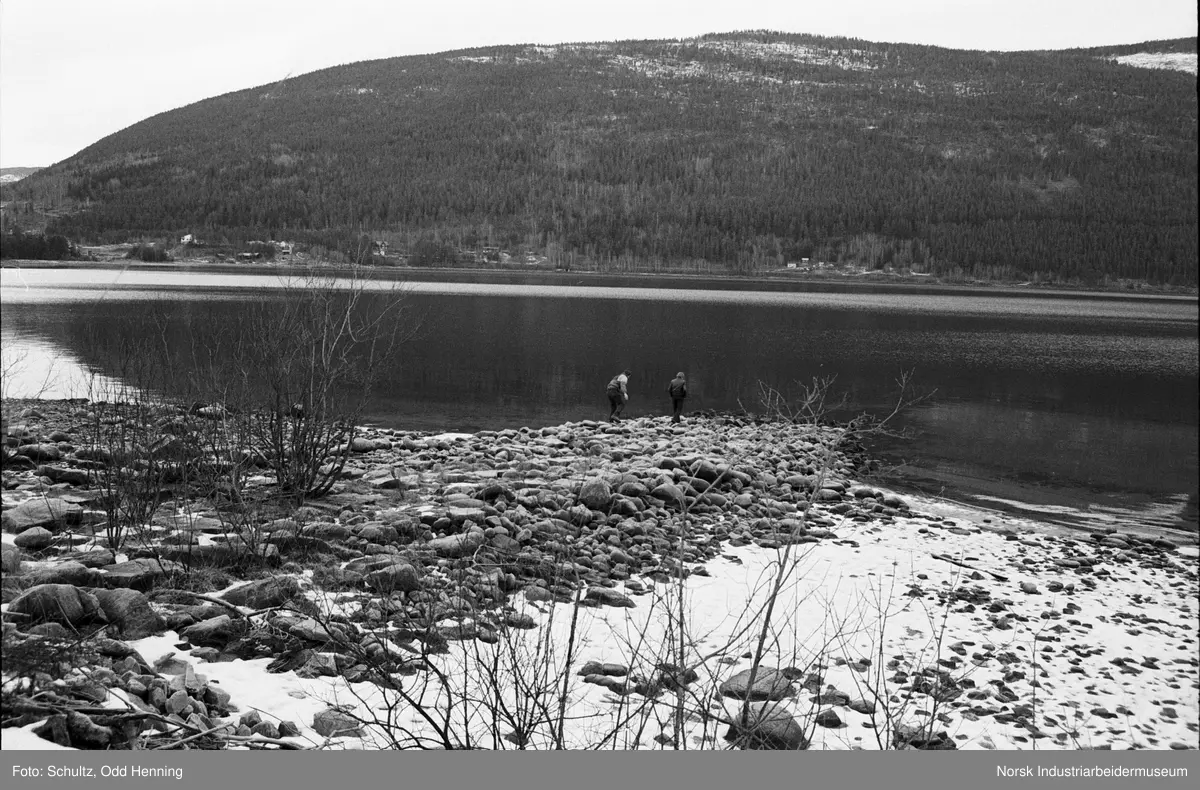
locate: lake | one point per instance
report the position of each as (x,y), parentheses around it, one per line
(1079,407)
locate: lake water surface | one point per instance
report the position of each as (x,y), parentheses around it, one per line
(1083,407)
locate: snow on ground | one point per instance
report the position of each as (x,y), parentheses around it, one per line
(1102,659)
(848,59)
(1114,665)
(23,739)
(1178,61)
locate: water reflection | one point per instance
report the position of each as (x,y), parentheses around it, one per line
(1092,393)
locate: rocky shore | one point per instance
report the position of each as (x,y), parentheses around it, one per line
(669,585)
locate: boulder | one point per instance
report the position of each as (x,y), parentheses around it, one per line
(668,492)
(460,514)
(130,612)
(61,474)
(457,545)
(334,722)
(766,725)
(606,596)
(769,684)
(263,593)
(68,572)
(399,577)
(213,632)
(57,603)
(917,736)
(828,718)
(43,512)
(138,574)
(11,559)
(39,452)
(34,539)
(705,470)
(596,494)
(87,734)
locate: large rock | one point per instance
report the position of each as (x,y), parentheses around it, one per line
(596,494)
(335,723)
(57,603)
(669,493)
(130,612)
(766,725)
(62,474)
(769,684)
(263,593)
(69,572)
(11,558)
(606,596)
(706,471)
(35,539)
(138,574)
(92,558)
(459,514)
(52,514)
(213,632)
(39,452)
(457,545)
(400,577)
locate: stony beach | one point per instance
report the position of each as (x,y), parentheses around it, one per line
(587,585)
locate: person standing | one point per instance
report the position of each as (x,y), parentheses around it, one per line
(677,389)
(618,394)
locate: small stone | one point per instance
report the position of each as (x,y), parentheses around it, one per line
(828,718)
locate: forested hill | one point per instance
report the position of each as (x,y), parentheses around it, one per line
(745,150)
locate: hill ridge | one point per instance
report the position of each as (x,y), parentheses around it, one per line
(744,151)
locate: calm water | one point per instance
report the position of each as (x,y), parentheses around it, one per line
(1083,407)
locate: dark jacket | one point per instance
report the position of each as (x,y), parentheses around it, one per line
(678,388)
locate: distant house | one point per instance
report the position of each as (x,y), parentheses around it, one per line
(188,239)
(379,248)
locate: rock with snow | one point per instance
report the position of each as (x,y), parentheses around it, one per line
(68,572)
(213,632)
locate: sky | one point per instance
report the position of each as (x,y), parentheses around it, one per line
(75,71)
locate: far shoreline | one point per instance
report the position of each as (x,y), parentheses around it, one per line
(780,282)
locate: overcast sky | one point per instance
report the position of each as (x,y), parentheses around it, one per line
(74,71)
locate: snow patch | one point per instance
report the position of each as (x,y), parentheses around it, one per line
(1177,61)
(848,59)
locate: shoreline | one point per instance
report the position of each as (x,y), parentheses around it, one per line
(778,281)
(995,583)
